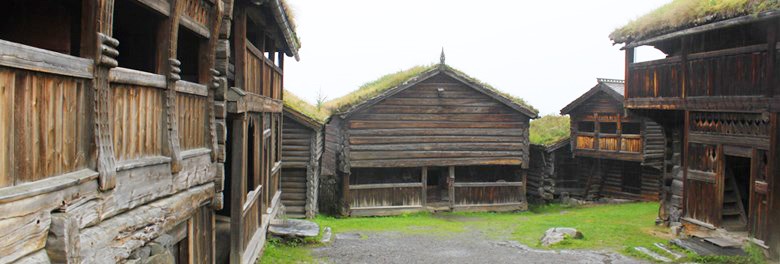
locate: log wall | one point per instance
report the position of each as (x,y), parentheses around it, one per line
(421,126)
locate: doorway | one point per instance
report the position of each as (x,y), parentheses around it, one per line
(736,193)
(437,190)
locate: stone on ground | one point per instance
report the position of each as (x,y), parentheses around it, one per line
(294,228)
(326,236)
(653,255)
(557,234)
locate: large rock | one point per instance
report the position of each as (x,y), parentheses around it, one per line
(295,228)
(557,234)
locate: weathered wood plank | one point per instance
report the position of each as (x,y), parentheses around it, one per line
(23,235)
(361,124)
(20,56)
(436,162)
(387,155)
(370,140)
(508,146)
(436,132)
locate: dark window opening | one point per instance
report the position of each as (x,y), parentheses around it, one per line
(254,34)
(250,151)
(385,175)
(136,28)
(188,50)
(608,128)
(586,126)
(50,25)
(630,128)
(487,174)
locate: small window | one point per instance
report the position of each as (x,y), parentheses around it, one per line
(586,126)
(630,128)
(50,25)
(188,53)
(608,128)
(136,29)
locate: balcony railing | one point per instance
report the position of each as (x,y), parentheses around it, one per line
(610,143)
(731,72)
(261,76)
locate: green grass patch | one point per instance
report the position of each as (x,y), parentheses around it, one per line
(608,227)
(549,129)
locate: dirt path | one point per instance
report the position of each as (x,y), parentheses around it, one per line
(466,247)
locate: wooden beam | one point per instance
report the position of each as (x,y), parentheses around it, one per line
(451,185)
(424,196)
(238,154)
(20,56)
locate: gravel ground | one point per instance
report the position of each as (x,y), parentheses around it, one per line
(466,247)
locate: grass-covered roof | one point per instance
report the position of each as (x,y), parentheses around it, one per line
(549,129)
(294,102)
(389,81)
(681,14)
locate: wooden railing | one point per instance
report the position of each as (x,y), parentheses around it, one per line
(261,76)
(44,119)
(192,103)
(608,143)
(138,102)
(251,213)
(385,195)
(614,143)
(585,142)
(731,72)
(488,193)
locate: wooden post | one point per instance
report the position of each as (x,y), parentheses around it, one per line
(627,78)
(773,170)
(684,66)
(771,53)
(619,131)
(103,49)
(684,165)
(168,65)
(237,186)
(345,192)
(239,45)
(596,132)
(451,185)
(424,191)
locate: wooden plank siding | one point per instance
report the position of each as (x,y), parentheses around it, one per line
(46,126)
(296,147)
(193,121)
(138,114)
(413,128)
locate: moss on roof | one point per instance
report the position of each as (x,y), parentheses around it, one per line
(680,14)
(549,129)
(389,81)
(288,11)
(294,102)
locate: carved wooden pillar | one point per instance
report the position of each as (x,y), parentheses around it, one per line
(169,66)
(105,54)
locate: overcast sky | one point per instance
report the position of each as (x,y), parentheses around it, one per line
(547,52)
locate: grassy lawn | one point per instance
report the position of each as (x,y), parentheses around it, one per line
(616,228)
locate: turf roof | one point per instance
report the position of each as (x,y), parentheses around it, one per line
(549,130)
(294,102)
(389,81)
(681,14)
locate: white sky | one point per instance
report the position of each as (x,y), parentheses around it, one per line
(547,52)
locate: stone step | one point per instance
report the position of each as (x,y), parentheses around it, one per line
(293,202)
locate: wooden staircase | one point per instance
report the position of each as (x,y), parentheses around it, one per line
(733,216)
(294,193)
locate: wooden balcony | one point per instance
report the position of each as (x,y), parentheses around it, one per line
(622,147)
(261,76)
(736,79)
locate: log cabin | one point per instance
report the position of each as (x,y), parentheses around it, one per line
(254,39)
(302,143)
(618,154)
(714,95)
(553,172)
(108,152)
(430,138)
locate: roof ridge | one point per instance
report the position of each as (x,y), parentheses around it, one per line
(609,80)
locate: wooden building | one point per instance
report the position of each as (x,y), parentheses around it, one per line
(438,140)
(111,152)
(107,141)
(715,94)
(553,172)
(302,146)
(618,154)
(253,42)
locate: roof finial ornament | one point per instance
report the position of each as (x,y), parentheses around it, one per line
(442,56)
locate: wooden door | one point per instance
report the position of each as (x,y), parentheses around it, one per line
(759,196)
(703,186)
